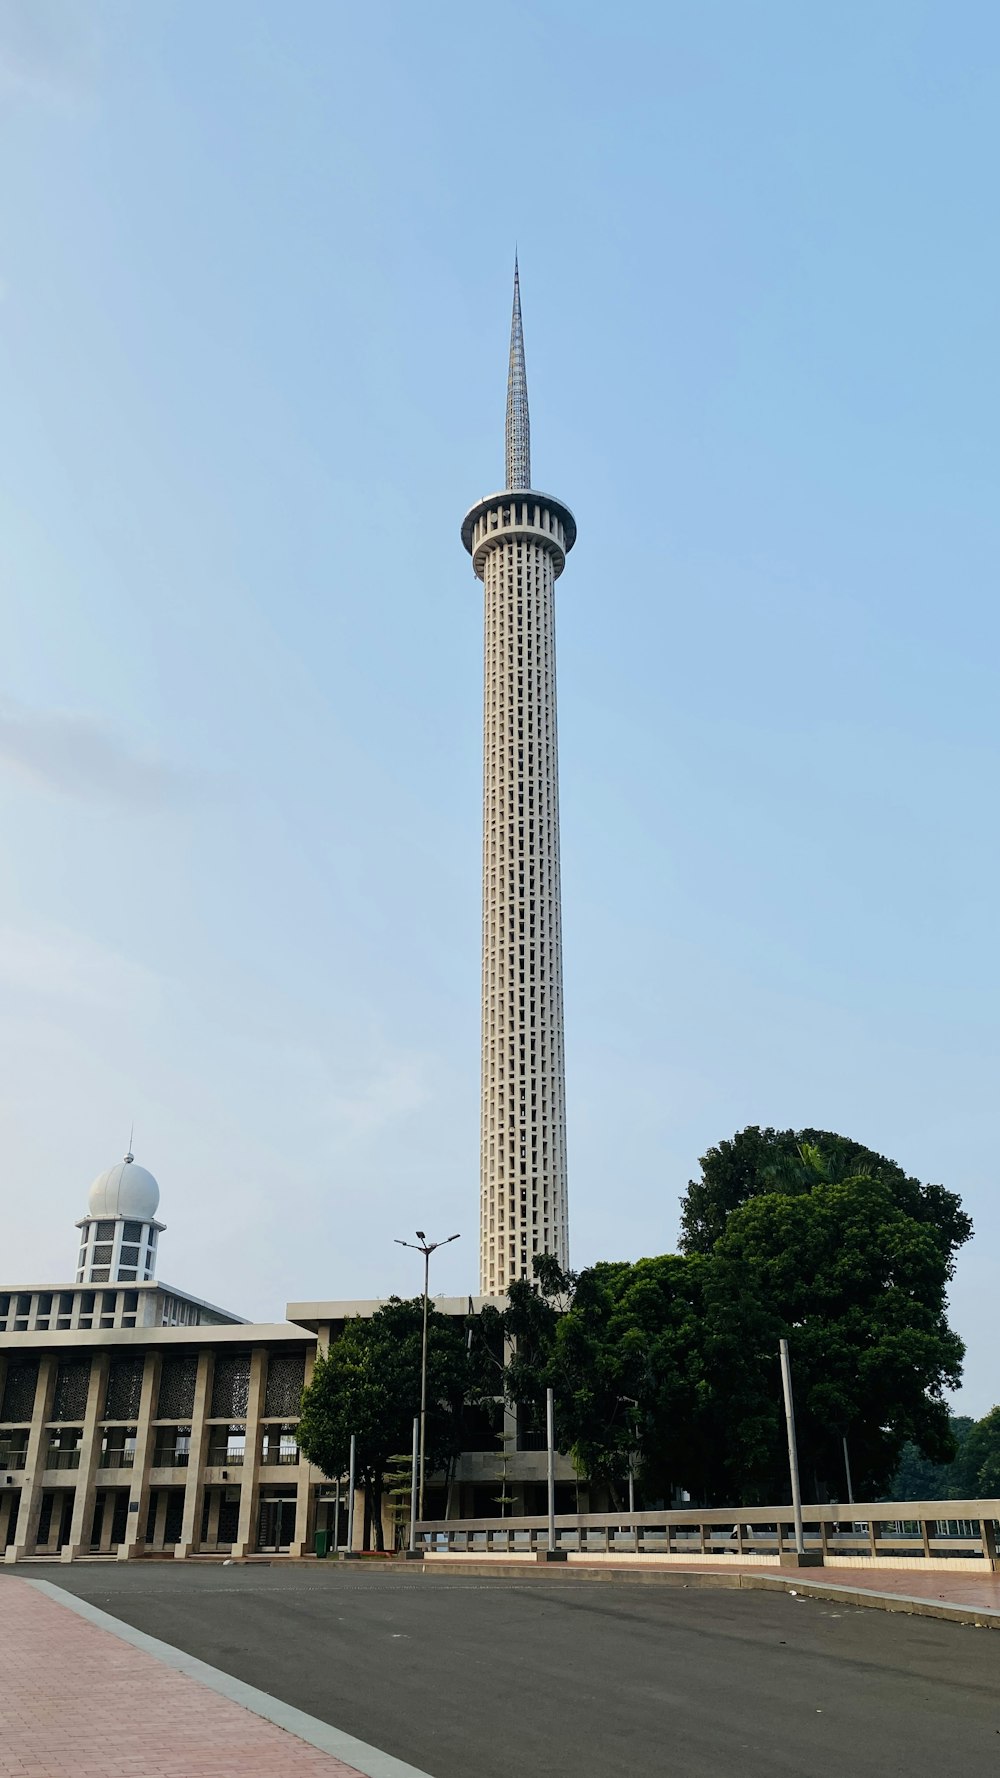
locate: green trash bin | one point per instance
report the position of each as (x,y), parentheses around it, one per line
(321,1540)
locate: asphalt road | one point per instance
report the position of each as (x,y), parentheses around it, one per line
(552,1676)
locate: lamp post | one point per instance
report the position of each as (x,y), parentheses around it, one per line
(413,1488)
(352,1476)
(847,1468)
(422,1245)
(793,1459)
(632,1451)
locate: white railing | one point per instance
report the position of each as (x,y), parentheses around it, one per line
(903,1531)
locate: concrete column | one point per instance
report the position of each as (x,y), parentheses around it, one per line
(246,1535)
(305,1497)
(31,1487)
(195,1486)
(212,1522)
(305,1511)
(90,1451)
(138,1503)
(108,1522)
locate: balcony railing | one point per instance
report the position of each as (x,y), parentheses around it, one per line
(63,1459)
(117,1459)
(12,1459)
(166,1457)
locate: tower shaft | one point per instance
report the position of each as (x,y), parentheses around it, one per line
(519,541)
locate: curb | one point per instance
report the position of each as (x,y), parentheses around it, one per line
(359,1756)
(950,1611)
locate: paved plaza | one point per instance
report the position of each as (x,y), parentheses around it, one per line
(456,1675)
(76,1700)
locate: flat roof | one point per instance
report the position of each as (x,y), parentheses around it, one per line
(312,1315)
(227,1333)
(183,1296)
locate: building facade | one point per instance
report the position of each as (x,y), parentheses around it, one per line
(138,1421)
(519,540)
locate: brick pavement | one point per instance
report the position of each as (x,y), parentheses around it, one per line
(77,1702)
(914,1581)
(953,1589)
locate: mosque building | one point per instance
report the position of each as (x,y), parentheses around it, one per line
(137,1420)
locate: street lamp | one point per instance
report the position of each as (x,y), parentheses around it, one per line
(422,1245)
(632,1450)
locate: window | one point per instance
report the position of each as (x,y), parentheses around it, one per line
(64,1448)
(118,1448)
(173,1447)
(226,1446)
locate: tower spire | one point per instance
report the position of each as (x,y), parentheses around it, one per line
(519,546)
(518,428)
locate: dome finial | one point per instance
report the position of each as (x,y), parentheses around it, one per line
(130,1157)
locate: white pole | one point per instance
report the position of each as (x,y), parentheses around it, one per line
(550,1429)
(350,1500)
(413,1483)
(793,1461)
(423,1380)
(847,1467)
(336,1515)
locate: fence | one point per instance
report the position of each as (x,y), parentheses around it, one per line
(887,1531)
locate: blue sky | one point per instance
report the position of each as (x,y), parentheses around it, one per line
(255,264)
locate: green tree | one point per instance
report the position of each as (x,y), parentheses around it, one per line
(798,1234)
(979,1459)
(918,1478)
(368,1385)
(857,1284)
(619,1346)
(756,1163)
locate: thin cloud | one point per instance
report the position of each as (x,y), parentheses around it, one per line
(79,757)
(50,49)
(53,963)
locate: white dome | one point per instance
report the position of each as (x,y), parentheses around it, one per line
(125,1190)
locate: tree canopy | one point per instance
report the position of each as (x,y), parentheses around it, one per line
(757,1163)
(919,1478)
(619,1346)
(858,1287)
(672,1361)
(368,1385)
(668,1366)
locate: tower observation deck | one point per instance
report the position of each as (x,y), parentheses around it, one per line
(519,540)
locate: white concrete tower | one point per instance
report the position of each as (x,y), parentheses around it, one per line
(519,541)
(119,1233)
